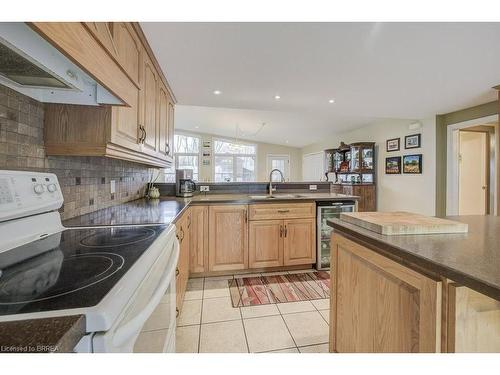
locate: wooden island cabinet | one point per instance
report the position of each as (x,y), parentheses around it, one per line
(380,303)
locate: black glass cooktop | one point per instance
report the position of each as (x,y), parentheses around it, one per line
(72,269)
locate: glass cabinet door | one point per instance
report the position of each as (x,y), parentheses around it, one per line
(367,158)
(355,159)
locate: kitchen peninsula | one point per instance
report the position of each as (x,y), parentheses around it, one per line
(416,293)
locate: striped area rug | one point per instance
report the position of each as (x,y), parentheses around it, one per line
(262,290)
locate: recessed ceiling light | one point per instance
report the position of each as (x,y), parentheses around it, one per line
(286,141)
(331,101)
(196,127)
(277,97)
(217,92)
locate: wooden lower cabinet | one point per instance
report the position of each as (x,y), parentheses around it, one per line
(183,226)
(299,241)
(379,305)
(198,258)
(228,237)
(265,243)
(473,321)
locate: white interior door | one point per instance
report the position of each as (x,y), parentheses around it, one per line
(313,168)
(281,162)
(472,177)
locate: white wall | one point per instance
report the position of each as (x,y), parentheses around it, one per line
(414,193)
(263,149)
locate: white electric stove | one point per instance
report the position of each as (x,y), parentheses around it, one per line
(115,276)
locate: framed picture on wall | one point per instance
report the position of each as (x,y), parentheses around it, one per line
(412,164)
(412,141)
(393,165)
(392,144)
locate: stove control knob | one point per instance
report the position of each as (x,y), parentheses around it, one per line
(39,189)
(51,188)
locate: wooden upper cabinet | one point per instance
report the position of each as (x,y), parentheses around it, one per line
(163,121)
(265,244)
(228,237)
(125,124)
(103,32)
(170,133)
(380,306)
(128,50)
(117,56)
(199,239)
(299,241)
(149,107)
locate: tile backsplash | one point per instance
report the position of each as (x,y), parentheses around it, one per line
(85,181)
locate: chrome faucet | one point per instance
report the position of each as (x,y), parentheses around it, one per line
(271,181)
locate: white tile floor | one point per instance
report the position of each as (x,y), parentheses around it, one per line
(210,324)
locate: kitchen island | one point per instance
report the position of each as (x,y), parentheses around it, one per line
(416,293)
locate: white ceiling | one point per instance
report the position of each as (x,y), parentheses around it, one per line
(372,70)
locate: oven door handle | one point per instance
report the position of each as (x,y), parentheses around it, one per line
(126,332)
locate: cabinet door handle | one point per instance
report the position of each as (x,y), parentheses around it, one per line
(140,135)
(281,231)
(189,221)
(182,231)
(246,216)
(286,231)
(176,312)
(177,272)
(167,148)
(143,136)
(283,211)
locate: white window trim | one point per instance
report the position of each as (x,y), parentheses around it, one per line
(199,154)
(268,167)
(233,140)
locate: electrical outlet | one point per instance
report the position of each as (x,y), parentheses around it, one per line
(204,188)
(313,187)
(112,183)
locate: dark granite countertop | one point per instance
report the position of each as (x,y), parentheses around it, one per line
(139,212)
(471,259)
(277,197)
(47,335)
(167,209)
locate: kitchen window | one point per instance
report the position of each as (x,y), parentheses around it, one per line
(234,161)
(186,156)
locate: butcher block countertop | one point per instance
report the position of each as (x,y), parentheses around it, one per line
(399,223)
(471,259)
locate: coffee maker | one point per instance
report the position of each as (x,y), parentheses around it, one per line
(184,184)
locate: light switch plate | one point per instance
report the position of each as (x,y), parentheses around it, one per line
(313,187)
(204,188)
(112,183)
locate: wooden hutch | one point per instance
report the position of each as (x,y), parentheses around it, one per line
(355,172)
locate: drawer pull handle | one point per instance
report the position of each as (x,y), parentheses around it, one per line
(283,211)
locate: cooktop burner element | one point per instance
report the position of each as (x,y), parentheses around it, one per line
(118,237)
(71,275)
(76,268)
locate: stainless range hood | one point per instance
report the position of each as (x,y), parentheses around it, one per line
(32,66)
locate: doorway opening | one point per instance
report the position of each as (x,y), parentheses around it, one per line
(281,162)
(471,168)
